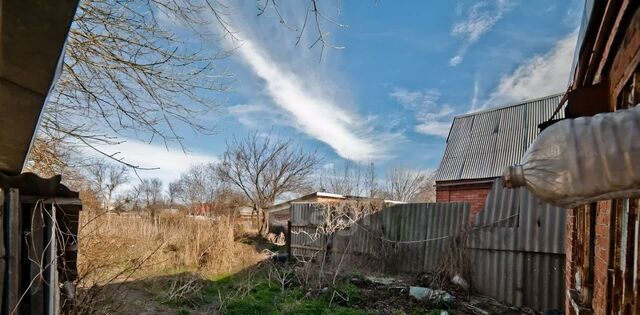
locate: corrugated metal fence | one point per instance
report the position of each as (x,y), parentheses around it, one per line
(385,237)
(516,248)
(520,259)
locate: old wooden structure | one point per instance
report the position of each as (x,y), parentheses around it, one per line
(38,244)
(603,238)
(38,233)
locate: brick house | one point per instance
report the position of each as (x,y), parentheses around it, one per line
(481,144)
(602,244)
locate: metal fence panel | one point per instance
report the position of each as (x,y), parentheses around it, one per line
(518,252)
(403,238)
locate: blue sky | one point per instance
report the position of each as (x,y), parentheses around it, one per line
(389,91)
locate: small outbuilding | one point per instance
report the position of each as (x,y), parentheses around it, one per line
(279,214)
(480,145)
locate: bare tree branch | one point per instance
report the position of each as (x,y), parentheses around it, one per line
(263,169)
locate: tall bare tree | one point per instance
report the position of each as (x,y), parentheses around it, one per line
(403,184)
(264,168)
(198,187)
(350,179)
(105,179)
(142,67)
(149,191)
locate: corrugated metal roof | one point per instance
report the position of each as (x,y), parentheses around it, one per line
(482,144)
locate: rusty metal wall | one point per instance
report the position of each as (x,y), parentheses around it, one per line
(518,255)
(401,238)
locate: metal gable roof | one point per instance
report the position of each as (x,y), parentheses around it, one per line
(482,144)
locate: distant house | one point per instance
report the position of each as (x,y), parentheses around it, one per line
(280,214)
(481,144)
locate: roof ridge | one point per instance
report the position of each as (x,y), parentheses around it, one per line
(521,103)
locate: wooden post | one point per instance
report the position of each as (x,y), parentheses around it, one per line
(3,257)
(36,255)
(288,239)
(13,249)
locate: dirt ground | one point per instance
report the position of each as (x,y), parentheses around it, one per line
(254,291)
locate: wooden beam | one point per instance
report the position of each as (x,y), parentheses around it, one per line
(627,57)
(13,228)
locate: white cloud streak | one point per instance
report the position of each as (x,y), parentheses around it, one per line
(538,76)
(312,109)
(479,19)
(431,118)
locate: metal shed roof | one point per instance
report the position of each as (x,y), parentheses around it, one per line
(482,144)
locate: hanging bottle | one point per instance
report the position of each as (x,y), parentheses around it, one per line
(582,160)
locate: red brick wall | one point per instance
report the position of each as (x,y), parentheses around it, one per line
(601,255)
(601,261)
(570,258)
(464,191)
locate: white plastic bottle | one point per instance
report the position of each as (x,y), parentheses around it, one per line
(582,160)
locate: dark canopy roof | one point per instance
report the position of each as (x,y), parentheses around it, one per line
(32,38)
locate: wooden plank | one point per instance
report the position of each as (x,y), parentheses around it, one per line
(2,249)
(36,251)
(51,288)
(288,238)
(306,247)
(13,228)
(636,276)
(629,256)
(627,57)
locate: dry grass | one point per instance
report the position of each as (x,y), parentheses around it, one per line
(118,248)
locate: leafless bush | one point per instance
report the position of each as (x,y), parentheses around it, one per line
(454,262)
(185,290)
(336,221)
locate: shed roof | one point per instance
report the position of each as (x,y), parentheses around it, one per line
(32,39)
(482,144)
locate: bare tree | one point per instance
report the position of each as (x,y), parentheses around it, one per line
(117,176)
(140,66)
(198,187)
(371,183)
(350,179)
(314,18)
(147,67)
(403,184)
(173,191)
(149,191)
(105,179)
(263,169)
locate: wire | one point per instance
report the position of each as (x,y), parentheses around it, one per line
(440,237)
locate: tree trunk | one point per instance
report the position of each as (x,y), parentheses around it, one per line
(264,222)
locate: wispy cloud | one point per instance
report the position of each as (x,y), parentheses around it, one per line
(169,162)
(478,20)
(304,91)
(474,96)
(256,115)
(538,76)
(431,118)
(315,114)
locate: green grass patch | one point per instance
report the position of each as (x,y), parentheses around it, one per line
(265,298)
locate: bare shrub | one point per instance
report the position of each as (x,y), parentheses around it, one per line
(335,224)
(185,290)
